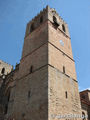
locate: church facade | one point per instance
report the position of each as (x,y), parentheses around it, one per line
(44,85)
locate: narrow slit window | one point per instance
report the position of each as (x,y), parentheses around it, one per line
(31,69)
(6,109)
(66,95)
(29,94)
(9,97)
(63,69)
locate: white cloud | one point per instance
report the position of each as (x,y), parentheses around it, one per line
(88,88)
(82,89)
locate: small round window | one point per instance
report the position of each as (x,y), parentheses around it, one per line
(61,42)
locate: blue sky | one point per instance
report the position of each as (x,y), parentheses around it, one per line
(14,15)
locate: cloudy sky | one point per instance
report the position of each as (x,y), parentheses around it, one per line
(14,15)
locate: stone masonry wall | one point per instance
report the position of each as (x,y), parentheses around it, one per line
(31,96)
(58,84)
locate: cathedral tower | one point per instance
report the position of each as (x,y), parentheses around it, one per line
(46,84)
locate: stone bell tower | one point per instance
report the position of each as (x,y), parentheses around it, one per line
(46,84)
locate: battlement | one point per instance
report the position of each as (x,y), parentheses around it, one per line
(5,67)
(45,15)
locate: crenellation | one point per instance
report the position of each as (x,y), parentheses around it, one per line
(48,14)
(6,66)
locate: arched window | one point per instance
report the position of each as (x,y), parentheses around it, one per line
(63,28)
(56,24)
(54,19)
(41,19)
(83,116)
(32,28)
(3,70)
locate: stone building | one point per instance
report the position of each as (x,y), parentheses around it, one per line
(44,84)
(85,102)
(5,68)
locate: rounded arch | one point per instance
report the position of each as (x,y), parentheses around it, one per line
(54,19)
(83,116)
(3,70)
(41,19)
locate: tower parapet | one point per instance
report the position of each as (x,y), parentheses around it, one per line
(44,15)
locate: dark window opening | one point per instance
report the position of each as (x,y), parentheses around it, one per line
(66,95)
(55,21)
(3,70)
(63,28)
(29,94)
(31,69)
(23,115)
(83,116)
(9,97)
(6,109)
(41,19)
(32,28)
(63,69)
